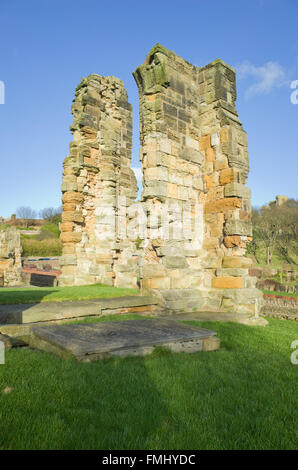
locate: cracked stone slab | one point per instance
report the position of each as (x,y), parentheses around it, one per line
(54,311)
(89,342)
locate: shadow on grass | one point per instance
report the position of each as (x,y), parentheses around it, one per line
(240,397)
(54,404)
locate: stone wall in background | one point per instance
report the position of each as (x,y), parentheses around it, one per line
(194,157)
(97,177)
(280,307)
(10,257)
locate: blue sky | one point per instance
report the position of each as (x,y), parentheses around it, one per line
(46,46)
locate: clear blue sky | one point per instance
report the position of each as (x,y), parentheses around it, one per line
(46,46)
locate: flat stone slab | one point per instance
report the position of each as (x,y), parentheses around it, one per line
(88,342)
(52,311)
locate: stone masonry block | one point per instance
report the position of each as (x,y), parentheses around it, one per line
(237,189)
(238,227)
(228,282)
(236,262)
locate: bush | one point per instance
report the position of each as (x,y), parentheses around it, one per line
(52,228)
(45,235)
(48,247)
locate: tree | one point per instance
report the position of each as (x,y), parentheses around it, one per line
(276,226)
(265,228)
(288,229)
(252,247)
(27,214)
(51,214)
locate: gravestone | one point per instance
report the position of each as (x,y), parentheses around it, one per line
(89,342)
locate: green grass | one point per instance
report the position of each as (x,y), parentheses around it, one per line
(286,294)
(240,397)
(52,228)
(59,294)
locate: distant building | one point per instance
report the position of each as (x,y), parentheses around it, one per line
(279,201)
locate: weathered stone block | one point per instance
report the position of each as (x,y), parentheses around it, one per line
(69,237)
(237,189)
(228,282)
(157,283)
(67,260)
(205,142)
(228,176)
(237,272)
(174,262)
(232,240)
(236,262)
(222,205)
(238,227)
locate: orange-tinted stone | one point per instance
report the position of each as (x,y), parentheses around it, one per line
(72,196)
(209,155)
(243,215)
(236,262)
(205,142)
(89,133)
(68,237)
(66,227)
(72,216)
(94,152)
(232,240)
(228,176)
(228,282)
(222,205)
(210,243)
(211,180)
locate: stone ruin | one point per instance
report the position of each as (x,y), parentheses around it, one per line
(186,238)
(10,257)
(279,201)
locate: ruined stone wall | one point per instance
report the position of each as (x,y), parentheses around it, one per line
(194,152)
(10,257)
(195,207)
(97,178)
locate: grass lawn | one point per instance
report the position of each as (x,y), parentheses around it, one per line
(59,294)
(287,294)
(243,396)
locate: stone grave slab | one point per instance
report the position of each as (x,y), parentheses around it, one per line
(88,342)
